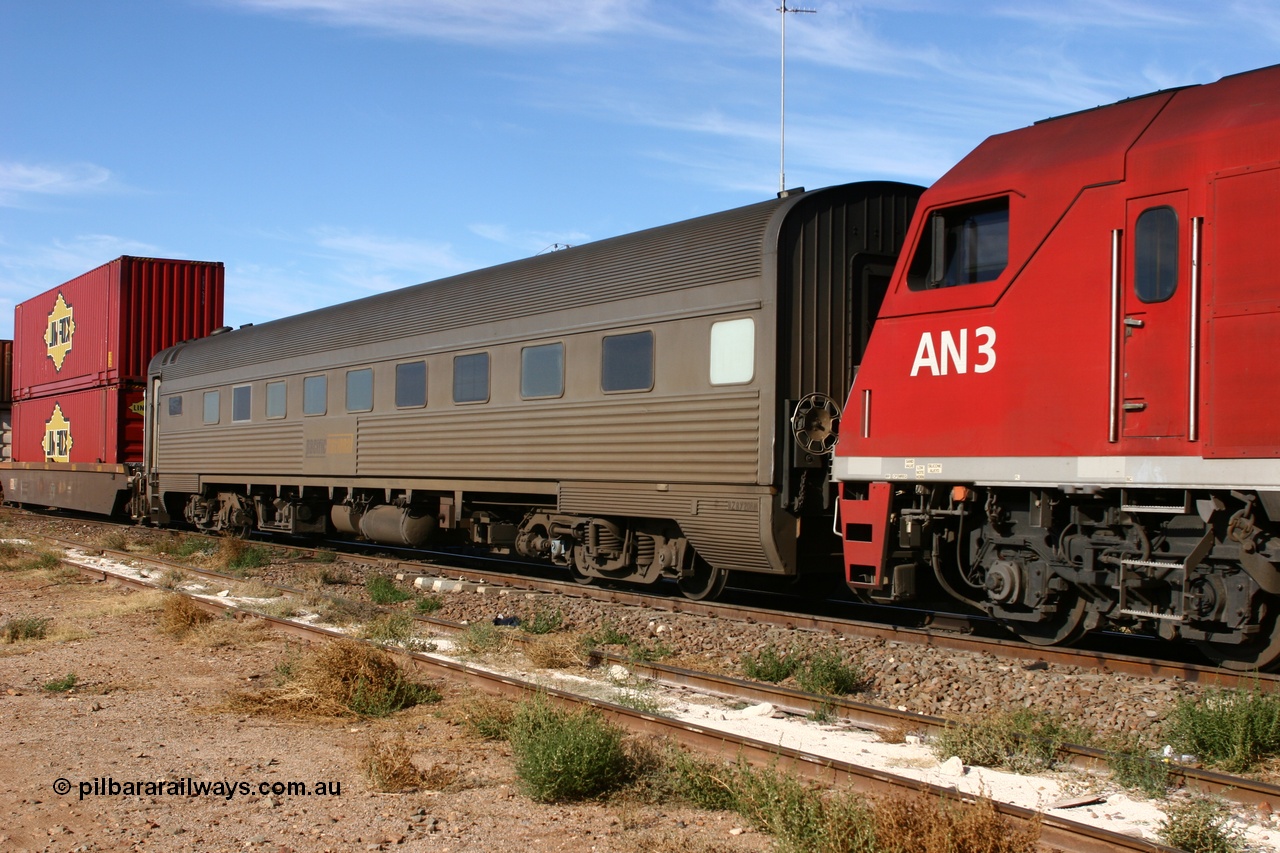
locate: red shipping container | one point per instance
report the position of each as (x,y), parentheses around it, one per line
(103,327)
(6,371)
(92,425)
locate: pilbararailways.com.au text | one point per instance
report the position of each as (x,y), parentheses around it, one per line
(189,787)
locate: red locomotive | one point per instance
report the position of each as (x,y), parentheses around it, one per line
(1066,412)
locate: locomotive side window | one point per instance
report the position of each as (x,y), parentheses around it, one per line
(1155,256)
(733,351)
(212,403)
(968,244)
(542,371)
(241,403)
(627,362)
(411,385)
(360,390)
(471,378)
(175,405)
(276,395)
(315,395)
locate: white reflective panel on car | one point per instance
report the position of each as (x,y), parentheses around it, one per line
(733,351)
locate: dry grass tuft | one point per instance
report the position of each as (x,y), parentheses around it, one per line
(487,717)
(554,651)
(122,603)
(922,825)
(227,634)
(343,678)
(388,764)
(181,615)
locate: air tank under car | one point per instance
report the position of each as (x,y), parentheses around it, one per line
(386,524)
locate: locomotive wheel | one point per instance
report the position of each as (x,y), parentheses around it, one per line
(705,584)
(1066,626)
(1261,655)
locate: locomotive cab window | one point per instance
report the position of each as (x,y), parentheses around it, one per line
(733,351)
(542,371)
(241,403)
(175,405)
(411,385)
(315,395)
(277,393)
(212,403)
(1155,254)
(471,378)
(968,244)
(360,390)
(627,362)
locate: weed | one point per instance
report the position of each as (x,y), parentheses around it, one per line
(554,651)
(240,557)
(62,685)
(482,638)
(1135,768)
(388,764)
(114,540)
(21,628)
(227,633)
(181,615)
(911,824)
(1200,825)
(826,672)
(341,678)
(280,607)
(1234,730)
(189,546)
(383,590)
(770,664)
(172,578)
(429,604)
(542,621)
(256,589)
(1024,741)
(566,755)
(393,629)
(326,556)
(46,560)
(607,635)
(336,610)
(486,717)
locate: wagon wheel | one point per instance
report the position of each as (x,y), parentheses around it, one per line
(1065,626)
(815,423)
(1262,654)
(705,583)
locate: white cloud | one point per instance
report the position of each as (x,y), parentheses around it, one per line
(21,180)
(530,242)
(495,21)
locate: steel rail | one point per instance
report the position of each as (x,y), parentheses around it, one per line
(860,714)
(1056,833)
(944,640)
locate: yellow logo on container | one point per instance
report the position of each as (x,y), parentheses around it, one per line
(57,437)
(62,326)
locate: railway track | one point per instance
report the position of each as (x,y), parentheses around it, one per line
(1056,832)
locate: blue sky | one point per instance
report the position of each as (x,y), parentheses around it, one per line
(328,149)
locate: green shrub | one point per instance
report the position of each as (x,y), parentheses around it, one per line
(826,672)
(1200,825)
(542,622)
(62,685)
(1135,768)
(563,756)
(383,590)
(1024,741)
(21,628)
(1234,730)
(770,664)
(393,629)
(429,604)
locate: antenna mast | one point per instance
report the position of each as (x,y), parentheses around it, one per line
(782,151)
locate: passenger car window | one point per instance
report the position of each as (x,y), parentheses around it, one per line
(967,244)
(471,378)
(241,403)
(315,395)
(542,371)
(411,385)
(277,395)
(627,362)
(175,405)
(733,351)
(360,390)
(212,402)
(1155,254)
